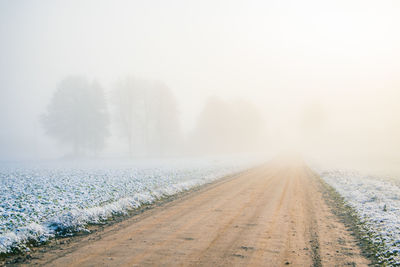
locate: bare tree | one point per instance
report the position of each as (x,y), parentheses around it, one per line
(167,129)
(127,100)
(147,116)
(77,115)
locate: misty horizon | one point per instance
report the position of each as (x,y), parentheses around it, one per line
(324,83)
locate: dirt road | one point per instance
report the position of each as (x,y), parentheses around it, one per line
(270,216)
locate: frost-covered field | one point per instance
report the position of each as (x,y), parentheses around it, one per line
(39,201)
(377,200)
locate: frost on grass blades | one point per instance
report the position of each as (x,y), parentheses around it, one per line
(42,201)
(377,201)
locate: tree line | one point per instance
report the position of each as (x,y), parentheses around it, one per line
(147,117)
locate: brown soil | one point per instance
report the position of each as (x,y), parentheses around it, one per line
(273,215)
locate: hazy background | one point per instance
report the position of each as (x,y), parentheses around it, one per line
(324,75)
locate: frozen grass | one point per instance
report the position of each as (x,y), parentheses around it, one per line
(40,201)
(377,201)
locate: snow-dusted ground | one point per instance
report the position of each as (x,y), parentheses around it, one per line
(38,201)
(376,199)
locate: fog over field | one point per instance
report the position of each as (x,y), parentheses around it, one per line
(210,77)
(217,133)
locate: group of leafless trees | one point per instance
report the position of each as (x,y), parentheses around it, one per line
(147,117)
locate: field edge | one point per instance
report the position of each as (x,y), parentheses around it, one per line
(373,251)
(60,242)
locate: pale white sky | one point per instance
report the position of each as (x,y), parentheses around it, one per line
(283,55)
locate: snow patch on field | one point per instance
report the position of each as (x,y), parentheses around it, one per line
(377,200)
(40,201)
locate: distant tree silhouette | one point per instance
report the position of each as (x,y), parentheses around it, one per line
(147,116)
(77,115)
(127,100)
(248,125)
(213,127)
(167,129)
(227,127)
